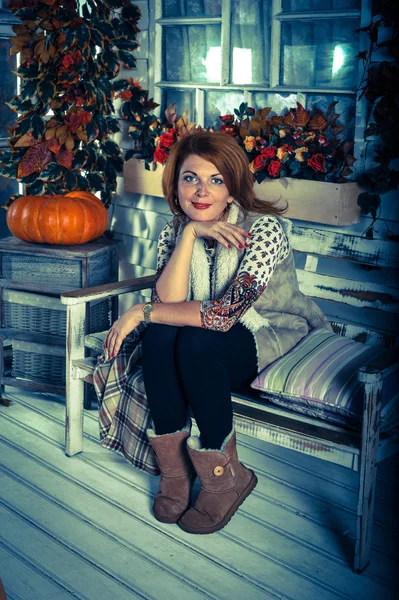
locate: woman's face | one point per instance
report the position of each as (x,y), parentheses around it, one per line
(201,190)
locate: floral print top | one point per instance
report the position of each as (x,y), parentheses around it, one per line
(267,247)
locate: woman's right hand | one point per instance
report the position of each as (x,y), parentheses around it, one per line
(225,233)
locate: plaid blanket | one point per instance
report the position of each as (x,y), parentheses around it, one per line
(123,414)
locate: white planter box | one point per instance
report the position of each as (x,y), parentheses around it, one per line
(316,201)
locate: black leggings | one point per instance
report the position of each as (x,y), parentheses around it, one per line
(193,367)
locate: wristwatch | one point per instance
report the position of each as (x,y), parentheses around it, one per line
(147,310)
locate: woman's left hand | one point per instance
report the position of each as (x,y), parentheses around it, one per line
(120,329)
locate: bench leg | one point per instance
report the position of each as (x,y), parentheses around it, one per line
(367,474)
(75,349)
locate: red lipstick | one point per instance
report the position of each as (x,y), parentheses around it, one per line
(200,206)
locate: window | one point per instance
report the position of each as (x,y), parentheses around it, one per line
(8,89)
(211,55)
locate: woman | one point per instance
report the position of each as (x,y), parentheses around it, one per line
(226,303)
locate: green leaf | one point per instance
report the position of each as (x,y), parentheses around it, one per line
(80,159)
(25,14)
(117,163)
(109,59)
(111,148)
(82,36)
(52,173)
(129,154)
(29,72)
(96,181)
(104,28)
(9,171)
(29,178)
(46,90)
(113,125)
(91,130)
(37,126)
(23,126)
(36,188)
(82,182)
(28,89)
(120,84)
(102,127)
(92,158)
(97,37)
(71,180)
(110,173)
(131,13)
(20,105)
(71,37)
(127,59)
(125,44)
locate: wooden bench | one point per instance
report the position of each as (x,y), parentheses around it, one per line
(375,303)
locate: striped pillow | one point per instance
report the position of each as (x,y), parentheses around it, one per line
(318,377)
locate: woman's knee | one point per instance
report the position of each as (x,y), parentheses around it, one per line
(157,336)
(196,342)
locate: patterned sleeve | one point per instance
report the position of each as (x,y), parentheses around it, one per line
(166,245)
(267,247)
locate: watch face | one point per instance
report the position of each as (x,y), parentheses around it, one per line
(147,308)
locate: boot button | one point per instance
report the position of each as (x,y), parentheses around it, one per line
(218,471)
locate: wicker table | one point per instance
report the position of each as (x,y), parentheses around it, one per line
(32,318)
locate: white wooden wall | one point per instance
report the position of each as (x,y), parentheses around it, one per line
(137,219)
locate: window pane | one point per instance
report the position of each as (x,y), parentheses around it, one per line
(184,100)
(346,108)
(220,103)
(315,5)
(192,53)
(8,187)
(280,103)
(8,86)
(191,8)
(250,41)
(319,54)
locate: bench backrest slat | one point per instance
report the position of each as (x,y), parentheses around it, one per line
(345,246)
(346,291)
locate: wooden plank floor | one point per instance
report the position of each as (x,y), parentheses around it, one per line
(82,527)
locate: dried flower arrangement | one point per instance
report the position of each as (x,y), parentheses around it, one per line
(303,144)
(70,54)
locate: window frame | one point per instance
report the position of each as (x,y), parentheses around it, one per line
(158,85)
(7,20)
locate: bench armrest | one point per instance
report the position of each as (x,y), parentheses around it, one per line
(108,290)
(379,368)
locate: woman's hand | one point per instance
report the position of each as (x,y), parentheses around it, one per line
(225,233)
(120,329)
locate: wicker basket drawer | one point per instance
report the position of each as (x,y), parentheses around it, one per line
(46,314)
(38,362)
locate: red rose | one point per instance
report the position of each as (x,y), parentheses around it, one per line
(250,110)
(317,162)
(274,168)
(287,147)
(67,61)
(230,129)
(227,118)
(269,152)
(168,139)
(160,155)
(257,164)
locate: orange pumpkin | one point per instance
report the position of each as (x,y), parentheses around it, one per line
(75,218)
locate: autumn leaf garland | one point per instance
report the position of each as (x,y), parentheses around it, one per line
(62,138)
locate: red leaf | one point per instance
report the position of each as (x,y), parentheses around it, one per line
(34,160)
(53,145)
(64,158)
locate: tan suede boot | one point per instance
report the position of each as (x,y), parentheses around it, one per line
(177,474)
(225,483)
